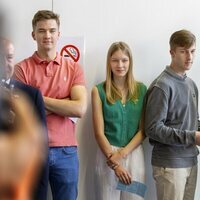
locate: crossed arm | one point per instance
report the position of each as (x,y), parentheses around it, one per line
(74,107)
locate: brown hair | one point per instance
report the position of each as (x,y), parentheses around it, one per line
(44,15)
(182,38)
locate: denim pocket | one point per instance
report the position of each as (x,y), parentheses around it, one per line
(69,150)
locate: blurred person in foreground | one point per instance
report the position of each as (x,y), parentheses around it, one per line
(22,149)
(37,107)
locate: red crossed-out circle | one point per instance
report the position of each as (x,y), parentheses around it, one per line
(70,51)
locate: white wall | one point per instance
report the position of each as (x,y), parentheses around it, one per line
(145,25)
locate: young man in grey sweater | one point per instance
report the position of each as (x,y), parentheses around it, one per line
(171,116)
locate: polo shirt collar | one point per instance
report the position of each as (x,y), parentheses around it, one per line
(39,60)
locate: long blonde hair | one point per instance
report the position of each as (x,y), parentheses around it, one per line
(112,92)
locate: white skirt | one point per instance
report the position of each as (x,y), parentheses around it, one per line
(107,180)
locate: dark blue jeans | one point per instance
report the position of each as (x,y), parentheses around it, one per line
(63,172)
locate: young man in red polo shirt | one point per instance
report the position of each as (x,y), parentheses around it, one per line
(62,85)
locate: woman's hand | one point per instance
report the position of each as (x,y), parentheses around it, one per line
(123,175)
(115,158)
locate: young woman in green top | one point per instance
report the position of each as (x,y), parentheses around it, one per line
(117,109)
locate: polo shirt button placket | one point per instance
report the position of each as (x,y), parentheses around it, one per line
(49,70)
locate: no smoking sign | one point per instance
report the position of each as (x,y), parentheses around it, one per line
(70,51)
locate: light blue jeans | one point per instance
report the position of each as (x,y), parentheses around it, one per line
(63,172)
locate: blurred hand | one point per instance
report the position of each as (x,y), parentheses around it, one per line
(21,151)
(197,138)
(47,112)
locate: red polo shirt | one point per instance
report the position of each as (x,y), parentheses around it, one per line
(54,79)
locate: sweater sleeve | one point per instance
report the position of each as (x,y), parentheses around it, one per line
(156,128)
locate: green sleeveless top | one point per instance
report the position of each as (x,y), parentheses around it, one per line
(121,121)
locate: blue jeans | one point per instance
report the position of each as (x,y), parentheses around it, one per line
(63,172)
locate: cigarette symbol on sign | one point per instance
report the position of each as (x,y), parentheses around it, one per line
(70,51)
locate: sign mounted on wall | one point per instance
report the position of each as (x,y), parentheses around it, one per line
(70,51)
(72,48)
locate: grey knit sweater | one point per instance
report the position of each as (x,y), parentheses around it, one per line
(171,114)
